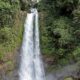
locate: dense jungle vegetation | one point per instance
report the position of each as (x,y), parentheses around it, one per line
(59,28)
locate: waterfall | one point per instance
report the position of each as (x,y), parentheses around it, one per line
(31,67)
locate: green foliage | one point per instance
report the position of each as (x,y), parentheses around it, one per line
(63,61)
(60,30)
(64,29)
(65,36)
(8,11)
(10,39)
(5,34)
(10,34)
(5,5)
(76,53)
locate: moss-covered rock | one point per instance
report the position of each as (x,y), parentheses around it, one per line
(68,78)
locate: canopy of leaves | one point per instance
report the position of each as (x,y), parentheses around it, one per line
(60,30)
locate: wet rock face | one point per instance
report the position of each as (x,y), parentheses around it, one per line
(23,4)
(24,1)
(33,5)
(27,4)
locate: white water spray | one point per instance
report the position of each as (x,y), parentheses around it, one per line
(31,67)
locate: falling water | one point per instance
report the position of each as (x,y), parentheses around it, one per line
(31,67)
